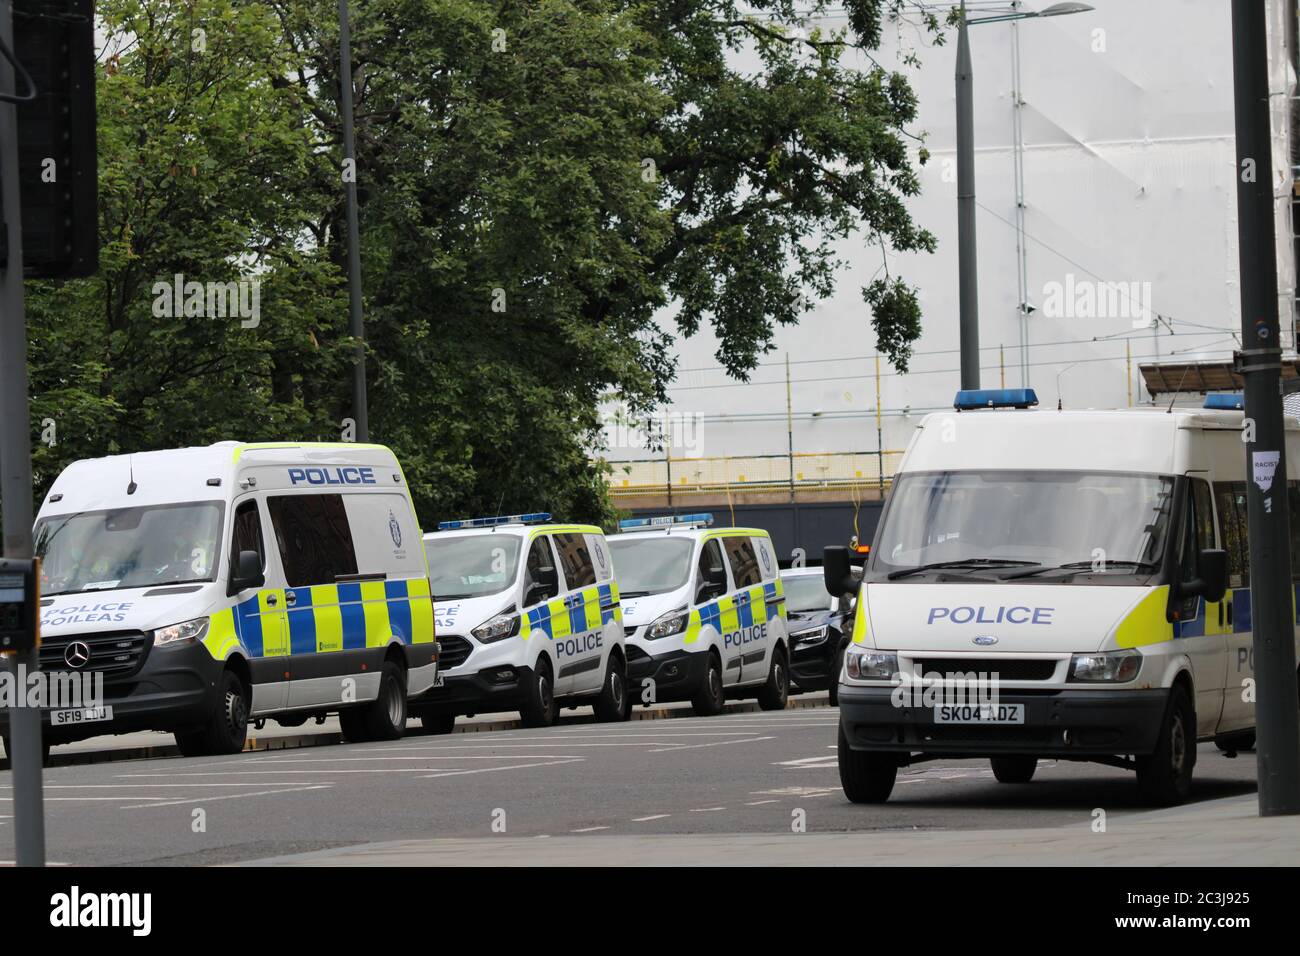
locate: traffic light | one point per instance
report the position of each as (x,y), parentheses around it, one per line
(54,40)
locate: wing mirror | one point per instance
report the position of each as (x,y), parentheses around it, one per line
(839,576)
(248,572)
(1213,580)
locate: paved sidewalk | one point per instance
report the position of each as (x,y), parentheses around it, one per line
(148,744)
(1224,832)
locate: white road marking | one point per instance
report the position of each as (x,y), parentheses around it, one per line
(758,803)
(653,816)
(802,760)
(518,766)
(673,748)
(229,796)
(589,829)
(707,809)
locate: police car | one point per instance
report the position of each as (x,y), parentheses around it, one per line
(1056,584)
(704,611)
(213,586)
(528,619)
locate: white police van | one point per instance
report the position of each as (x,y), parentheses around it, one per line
(213,586)
(704,610)
(1057,584)
(528,619)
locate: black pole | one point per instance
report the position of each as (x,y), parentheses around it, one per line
(355,325)
(16,471)
(1260,362)
(967,286)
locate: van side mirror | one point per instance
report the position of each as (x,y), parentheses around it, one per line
(248,572)
(837,572)
(546,584)
(716,577)
(1213,582)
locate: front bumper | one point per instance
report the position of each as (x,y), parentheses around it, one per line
(175,688)
(1058,723)
(813,667)
(677,675)
(487,691)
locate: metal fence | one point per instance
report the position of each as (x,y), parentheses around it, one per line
(805,471)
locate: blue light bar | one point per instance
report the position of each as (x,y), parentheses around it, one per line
(969,399)
(665,521)
(1226,401)
(536,517)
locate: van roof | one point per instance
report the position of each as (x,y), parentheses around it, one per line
(516,528)
(1144,439)
(668,531)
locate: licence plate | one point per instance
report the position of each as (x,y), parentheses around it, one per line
(84,715)
(438,679)
(979,714)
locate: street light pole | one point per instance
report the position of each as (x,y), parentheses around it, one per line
(356,327)
(967,258)
(1260,364)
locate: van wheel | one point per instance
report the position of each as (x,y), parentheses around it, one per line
(1014,769)
(709,699)
(866,776)
(776,691)
(1165,776)
(227,729)
(613,704)
(539,708)
(1231,743)
(384,718)
(438,723)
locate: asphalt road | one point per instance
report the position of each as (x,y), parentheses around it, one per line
(737,773)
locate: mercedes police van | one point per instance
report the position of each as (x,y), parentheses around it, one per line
(528,619)
(704,610)
(211,586)
(1071,585)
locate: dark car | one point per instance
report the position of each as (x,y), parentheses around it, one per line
(819,626)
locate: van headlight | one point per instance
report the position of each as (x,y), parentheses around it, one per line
(666,625)
(187,632)
(1113,667)
(497,628)
(811,636)
(871,665)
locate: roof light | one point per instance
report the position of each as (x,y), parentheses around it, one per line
(971,398)
(1226,401)
(535,517)
(701,520)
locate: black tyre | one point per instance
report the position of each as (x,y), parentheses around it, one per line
(866,776)
(1240,740)
(1165,776)
(438,723)
(837,665)
(383,718)
(613,704)
(776,691)
(1014,769)
(709,699)
(227,729)
(540,708)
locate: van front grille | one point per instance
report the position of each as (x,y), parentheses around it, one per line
(112,653)
(1005,668)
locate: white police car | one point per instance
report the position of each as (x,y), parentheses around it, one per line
(704,611)
(528,618)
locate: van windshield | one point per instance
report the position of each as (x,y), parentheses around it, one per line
(805,593)
(1024,519)
(129,547)
(650,565)
(472,565)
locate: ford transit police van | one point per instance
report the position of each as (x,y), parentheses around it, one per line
(211,586)
(704,610)
(528,618)
(1072,585)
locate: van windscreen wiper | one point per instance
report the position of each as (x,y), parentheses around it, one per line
(1074,567)
(963,563)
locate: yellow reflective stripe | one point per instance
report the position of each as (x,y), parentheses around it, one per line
(328,617)
(374,603)
(422,630)
(275,624)
(860,619)
(591,603)
(613,589)
(1146,623)
(694,624)
(730,617)
(560,626)
(221,640)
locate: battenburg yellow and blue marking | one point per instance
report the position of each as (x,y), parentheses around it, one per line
(576,613)
(736,611)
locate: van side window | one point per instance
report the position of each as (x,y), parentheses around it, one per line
(1230,497)
(314,538)
(744,562)
(710,557)
(575,559)
(1203,504)
(247,533)
(539,556)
